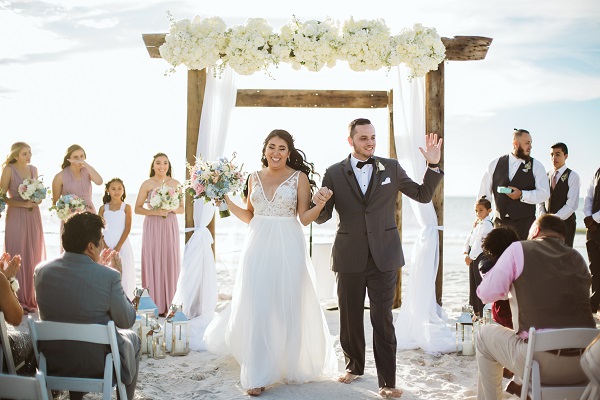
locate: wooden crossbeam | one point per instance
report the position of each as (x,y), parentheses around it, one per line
(311,98)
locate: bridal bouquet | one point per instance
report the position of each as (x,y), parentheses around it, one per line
(68,205)
(165,197)
(33,189)
(212,180)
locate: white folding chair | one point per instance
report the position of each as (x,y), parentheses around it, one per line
(23,387)
(91,333)
(553,339)
(590,363)
(5,351)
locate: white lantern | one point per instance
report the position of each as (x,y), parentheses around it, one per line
(177,332)
(466,328)
(159,349)
(143,303)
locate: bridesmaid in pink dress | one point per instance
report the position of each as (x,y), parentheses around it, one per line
(161,260)
(76,177)
(24,233)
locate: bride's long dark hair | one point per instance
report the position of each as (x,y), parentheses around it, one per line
(297,159)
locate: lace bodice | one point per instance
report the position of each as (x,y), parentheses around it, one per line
(284,202)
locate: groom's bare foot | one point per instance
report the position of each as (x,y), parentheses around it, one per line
(347,378)
(390,392)
(255,391)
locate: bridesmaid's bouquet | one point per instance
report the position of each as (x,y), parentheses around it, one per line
(165,197)
(68,205)
(33,190)
(212,180)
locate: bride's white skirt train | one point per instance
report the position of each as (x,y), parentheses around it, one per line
(275,327)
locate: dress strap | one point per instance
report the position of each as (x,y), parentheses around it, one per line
(122,206)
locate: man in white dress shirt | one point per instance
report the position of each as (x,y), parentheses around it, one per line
(523,184)
(564,191)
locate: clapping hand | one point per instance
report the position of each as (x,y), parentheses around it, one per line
(111,258)
(321,196)
(8,266)
(433,148)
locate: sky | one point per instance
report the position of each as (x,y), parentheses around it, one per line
(78,72)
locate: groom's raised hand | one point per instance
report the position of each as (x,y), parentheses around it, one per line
(321,196)
(433,148)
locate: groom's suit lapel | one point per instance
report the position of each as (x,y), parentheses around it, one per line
(348,173)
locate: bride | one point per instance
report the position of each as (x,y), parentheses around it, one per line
(275,327)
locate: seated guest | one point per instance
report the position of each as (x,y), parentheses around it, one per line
(549,286)
(76,287)
(9,303)
(493,246)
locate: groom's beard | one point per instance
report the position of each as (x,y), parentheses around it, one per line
(521,154)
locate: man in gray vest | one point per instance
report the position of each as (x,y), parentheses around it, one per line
(549,284)
(517,183)
(591,210)
(564,191)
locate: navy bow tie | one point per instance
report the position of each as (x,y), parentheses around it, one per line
(361,164)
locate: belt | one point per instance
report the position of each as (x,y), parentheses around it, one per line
(566,352)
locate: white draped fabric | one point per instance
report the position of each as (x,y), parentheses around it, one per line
(197,284)
(421,322)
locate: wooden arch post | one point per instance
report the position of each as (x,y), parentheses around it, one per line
(459,48)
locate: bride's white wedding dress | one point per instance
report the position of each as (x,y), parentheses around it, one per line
(275,327)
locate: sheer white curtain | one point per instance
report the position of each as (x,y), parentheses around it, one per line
(197,284)
(421,321)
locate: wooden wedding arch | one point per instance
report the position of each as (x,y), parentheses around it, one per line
(458,48)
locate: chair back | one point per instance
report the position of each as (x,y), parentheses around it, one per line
(553,339)
(90,333)
(23,387)
(5,351)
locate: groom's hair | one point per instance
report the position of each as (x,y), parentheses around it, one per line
(354,123)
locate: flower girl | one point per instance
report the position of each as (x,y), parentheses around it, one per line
(117,215)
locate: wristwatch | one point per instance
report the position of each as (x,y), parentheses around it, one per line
(14,284)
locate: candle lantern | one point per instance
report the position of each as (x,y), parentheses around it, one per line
(143,303)
(177,332)
(159,349)
(466,328)
(487,314)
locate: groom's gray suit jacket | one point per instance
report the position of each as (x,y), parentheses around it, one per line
(368,222)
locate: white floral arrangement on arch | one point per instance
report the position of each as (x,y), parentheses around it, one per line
(196,43)
(312,44)
(249,47)
(420,48)
(365,44)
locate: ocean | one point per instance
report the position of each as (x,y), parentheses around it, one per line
(230,232)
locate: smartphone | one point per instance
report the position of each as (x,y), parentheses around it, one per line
(504,189)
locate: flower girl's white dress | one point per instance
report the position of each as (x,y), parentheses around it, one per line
(275,327)
(115,224)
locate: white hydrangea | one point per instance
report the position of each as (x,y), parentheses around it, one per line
(365,44)
(420,48)
(196,43)
(249,47)
(311,44)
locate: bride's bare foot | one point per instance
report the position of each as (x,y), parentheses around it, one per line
(390,392)
(347,378)
(255,391)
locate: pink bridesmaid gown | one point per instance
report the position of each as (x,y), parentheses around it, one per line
(24,236)
(161,261)
(81,187)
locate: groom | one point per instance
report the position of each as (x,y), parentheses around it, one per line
(366,251)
